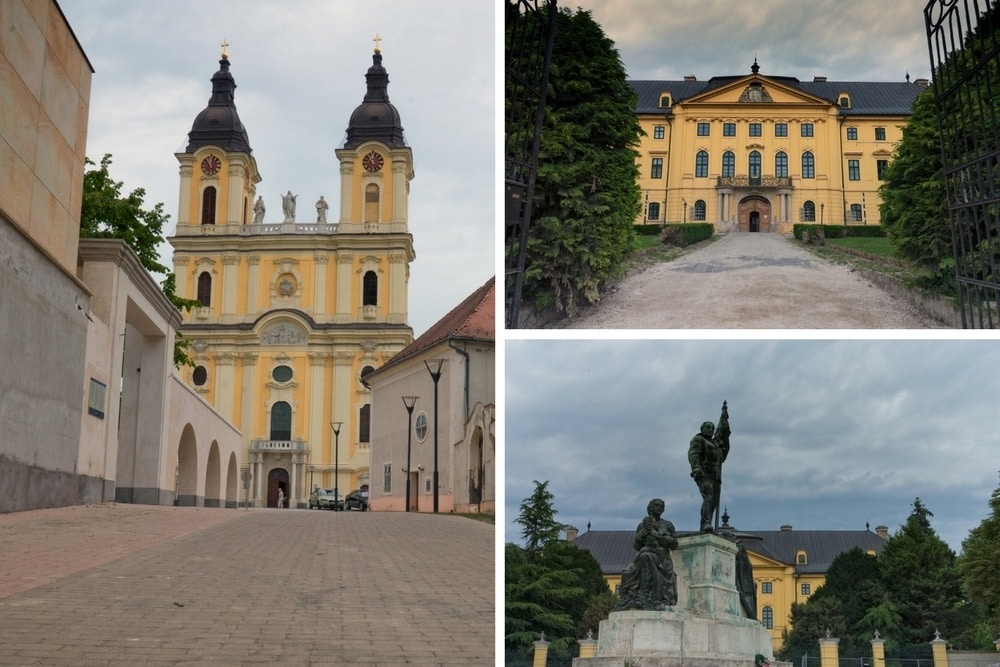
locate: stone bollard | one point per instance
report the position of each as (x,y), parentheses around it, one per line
(541,652)
(829,655)
(878,651)
(939,649)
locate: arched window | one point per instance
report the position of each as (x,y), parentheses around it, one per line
(754,164)
(699,209)
(246,209)
(371,203)
(701,164)
(728,164)
(767,618)
(781,164)
(364,427)
(208,206)
(205,288)
(369,295)
(808,165)
(809,211)
(281,421)
(856,212)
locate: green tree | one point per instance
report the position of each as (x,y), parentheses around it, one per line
(586,196)
(106,213)
(914,203)
(809,622)
(538,520)
(980,562)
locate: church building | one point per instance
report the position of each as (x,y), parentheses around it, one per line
(760,153)
(294,312)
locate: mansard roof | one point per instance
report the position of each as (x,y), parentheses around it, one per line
(868,98)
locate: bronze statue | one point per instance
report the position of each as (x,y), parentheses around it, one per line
(649,582)
(706,454)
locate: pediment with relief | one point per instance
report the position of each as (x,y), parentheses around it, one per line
(755,89)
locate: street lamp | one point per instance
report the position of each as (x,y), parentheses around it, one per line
(409,402)
(336,464)
(436,375)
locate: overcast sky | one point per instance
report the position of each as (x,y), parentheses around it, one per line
(826,435)
(844,40)
(300,72)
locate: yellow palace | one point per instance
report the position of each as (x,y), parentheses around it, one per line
(760,153)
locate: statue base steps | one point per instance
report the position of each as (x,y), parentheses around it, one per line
(707,627)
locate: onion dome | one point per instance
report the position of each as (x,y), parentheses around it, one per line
(218,124)
(375,119)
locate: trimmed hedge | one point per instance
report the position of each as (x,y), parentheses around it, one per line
(838,231)
(649,230)
(694,231)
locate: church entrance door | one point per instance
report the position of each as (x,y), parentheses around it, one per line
(277,478)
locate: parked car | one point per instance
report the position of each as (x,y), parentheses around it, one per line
(324,499)
(356,499)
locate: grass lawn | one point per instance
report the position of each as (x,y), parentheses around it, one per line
(874,245)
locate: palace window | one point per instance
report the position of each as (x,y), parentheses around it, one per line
(801,559)
(809,211)
(281,421)
(806,589)
(654,211)
(855,212)
(766,587)
(808,165)
(365,423)
(205,289)
(729,129)
(754,164)
(701,164)
(845,102)
(807,129)
(369,296)
(657,169)
(880,167)
(755,129)
(664,100)
(767,618)
(854,170)
(699,209)
(852,134)
(208,206)
(703,129)
(658,132)
(781,164)
(879,134)
(781,129)
(728,164)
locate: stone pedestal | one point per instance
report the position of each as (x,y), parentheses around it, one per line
(705,629)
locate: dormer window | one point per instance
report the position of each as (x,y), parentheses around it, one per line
(845,102)
(665,100)
(800,558)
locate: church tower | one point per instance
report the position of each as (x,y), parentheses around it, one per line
(293,315)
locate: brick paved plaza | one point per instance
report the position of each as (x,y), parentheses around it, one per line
(145,585)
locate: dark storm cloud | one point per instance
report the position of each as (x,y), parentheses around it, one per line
(826,434)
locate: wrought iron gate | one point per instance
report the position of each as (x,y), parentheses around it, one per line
(530,26)
(964,45)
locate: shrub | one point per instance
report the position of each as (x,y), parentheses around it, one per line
(686,234)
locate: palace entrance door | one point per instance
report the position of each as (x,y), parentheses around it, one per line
(754,214)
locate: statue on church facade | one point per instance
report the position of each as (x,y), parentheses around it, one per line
(288,206)
(258,210)
(706,454)
(321,209)
(649,583)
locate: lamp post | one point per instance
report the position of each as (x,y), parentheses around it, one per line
(336,464)
(409,402)
(435,375)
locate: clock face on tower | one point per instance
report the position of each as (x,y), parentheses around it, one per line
(372,162)
(210,166)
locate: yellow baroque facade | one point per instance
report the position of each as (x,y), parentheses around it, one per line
(294,313)
(762,153)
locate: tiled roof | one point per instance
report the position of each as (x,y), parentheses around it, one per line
(473,319)
(613,548)
(868,98)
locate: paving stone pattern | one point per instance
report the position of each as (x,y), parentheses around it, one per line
(135,585)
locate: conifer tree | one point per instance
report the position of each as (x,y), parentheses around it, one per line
(980,562)
(538,520)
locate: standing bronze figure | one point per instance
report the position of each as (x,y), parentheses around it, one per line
(706,454)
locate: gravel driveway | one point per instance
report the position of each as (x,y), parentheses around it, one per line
(749,281)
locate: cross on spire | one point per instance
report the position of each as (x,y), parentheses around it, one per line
(378,46)
(225,49)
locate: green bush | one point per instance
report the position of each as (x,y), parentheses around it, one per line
(688,233)
(648,230)
(838,231)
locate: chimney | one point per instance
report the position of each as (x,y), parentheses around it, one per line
(690,77)
(819,79)
(572,532)
(882,531)
(786,527)
(921,83)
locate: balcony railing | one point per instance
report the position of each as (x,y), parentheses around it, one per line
(744,181)
(278,446)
